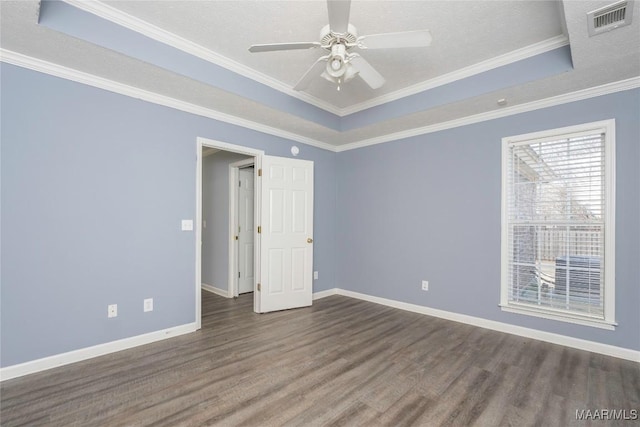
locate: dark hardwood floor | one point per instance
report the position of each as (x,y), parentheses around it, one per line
(342,362)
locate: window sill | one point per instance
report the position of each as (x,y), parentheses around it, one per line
(530,311)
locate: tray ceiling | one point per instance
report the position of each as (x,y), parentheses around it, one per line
(479,54)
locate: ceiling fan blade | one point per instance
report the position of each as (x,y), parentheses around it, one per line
(420,38)
(282,46)
(312,73)
(367,72)
(339,15)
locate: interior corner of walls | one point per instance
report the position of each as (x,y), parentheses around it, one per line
(216,290)
(326,293)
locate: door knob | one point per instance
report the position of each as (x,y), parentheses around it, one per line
(309,240)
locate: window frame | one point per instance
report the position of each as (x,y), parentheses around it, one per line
(608,322)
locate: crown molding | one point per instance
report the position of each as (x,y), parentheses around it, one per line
(45,67)
(147,29)
(140,26)
(606,89)
(480,67)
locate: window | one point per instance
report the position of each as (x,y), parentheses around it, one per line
(558,224)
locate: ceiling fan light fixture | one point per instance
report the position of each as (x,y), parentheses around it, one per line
(336,63)
(336,67)
(347,72)
(329,77)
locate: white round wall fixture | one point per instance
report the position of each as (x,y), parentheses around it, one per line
(295,150)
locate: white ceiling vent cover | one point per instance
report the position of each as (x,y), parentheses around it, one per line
(609,18)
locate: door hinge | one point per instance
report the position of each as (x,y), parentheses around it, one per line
(239,183)
(259,229)
(238,274)
(259,287)
(259,172)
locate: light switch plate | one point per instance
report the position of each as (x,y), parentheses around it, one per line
(148,304)
(187,225)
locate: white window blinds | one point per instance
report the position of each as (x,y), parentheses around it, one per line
(555,212)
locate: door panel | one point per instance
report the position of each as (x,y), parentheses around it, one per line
(298,267)
(246,277)
(247,266)
(299,213)
(276,269)
(287,234)
(276,214)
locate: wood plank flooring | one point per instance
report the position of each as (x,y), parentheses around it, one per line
(342,362)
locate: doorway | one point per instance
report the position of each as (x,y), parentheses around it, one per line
(282,230)
(227,269)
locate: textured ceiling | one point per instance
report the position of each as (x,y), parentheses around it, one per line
(465,34)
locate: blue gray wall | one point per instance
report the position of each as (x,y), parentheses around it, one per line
(94,185)
(428,207)
(215,210)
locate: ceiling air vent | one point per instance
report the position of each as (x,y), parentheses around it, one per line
(609,18)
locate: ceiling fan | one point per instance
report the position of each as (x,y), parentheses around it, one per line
(338,38)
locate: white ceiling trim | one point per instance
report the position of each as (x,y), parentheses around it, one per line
(156,33)
(123,19)
(49,68)
(580,95)
(480,67)
(45,67)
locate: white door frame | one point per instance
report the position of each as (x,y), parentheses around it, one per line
(234,177)
(257,154)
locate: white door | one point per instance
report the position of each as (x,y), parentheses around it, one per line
(286,253)
(245,231)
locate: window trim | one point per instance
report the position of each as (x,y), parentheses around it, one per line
(608,128)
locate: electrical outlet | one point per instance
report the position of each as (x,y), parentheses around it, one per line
(425,285)
(112,310)
(315,275)
(148,304)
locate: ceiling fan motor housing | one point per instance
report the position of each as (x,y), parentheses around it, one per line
(328,38)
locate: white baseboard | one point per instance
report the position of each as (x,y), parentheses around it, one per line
(595,347)
(214,290)
(62,359)
(34,366)
(324,294)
